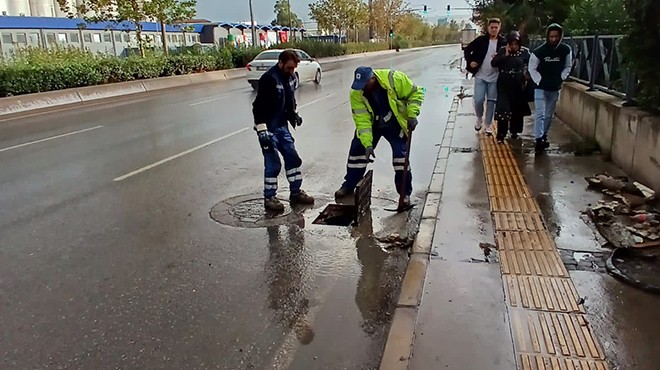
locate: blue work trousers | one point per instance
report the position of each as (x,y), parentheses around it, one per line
(357,159)
(283,143)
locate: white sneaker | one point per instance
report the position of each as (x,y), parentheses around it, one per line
(477,127)
(489,131)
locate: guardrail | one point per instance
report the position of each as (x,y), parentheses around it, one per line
(598,63)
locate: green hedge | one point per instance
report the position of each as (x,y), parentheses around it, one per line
(37,70)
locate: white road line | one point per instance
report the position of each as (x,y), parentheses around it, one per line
(315,101)
(163,161)
(208,101)
(49,138)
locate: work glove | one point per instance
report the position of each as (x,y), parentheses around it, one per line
(296,120)
(265,136)
(369,153)
(412,123)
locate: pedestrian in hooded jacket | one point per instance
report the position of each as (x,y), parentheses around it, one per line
(549,66)
(478,55)
(512,105)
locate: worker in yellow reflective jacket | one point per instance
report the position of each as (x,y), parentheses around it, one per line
(385,103)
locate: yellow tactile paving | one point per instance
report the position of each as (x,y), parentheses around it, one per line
(530,362)
(511,221)
(554,334)
(548,323)
(524,240)
(532,263)
(542,293)
(524,205)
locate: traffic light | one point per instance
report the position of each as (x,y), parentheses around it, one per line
(391,33)
(448,10)
(425,10)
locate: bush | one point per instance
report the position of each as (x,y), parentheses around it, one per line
(242,56)
(640,48)
(316,49)
(358,47)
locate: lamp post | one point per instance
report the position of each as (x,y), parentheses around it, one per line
(288,3)
(254,31)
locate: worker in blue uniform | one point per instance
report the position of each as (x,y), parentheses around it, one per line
(274,109)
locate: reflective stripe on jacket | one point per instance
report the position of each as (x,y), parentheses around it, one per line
(405,99)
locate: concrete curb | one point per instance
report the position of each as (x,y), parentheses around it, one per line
(399,346)
(30,102)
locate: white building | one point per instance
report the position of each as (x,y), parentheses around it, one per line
(36,8)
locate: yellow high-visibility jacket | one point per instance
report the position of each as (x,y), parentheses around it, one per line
(405,100)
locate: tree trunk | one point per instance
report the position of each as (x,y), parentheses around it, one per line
(254,32)
(138,32)
(163,35)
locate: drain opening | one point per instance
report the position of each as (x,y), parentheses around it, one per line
(349,214)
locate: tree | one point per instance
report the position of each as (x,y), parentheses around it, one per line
(527,16)
(640,48)
(338,15)
(388,14)
(284,16)
(169,12)
(589,17)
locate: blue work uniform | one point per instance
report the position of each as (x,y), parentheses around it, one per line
(275,105)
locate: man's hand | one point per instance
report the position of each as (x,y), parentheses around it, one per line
(295,120)
(507,51)
(474,65)
(265,139)
(412,123)
(369,152)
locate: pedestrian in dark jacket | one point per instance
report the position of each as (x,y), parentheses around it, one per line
(274,109)
(478,55)
(549,65)
(512,106)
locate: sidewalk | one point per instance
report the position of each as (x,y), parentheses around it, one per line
(521,306)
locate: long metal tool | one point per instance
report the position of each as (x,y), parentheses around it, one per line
(403,207)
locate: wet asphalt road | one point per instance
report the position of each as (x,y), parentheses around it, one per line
(109,259)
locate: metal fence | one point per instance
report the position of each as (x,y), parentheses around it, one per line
(597,63)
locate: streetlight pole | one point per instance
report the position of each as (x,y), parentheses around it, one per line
(288,3)
(254,31)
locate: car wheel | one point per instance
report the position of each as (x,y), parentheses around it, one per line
(317,77)
(255,85)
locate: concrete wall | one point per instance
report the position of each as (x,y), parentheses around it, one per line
(628,135)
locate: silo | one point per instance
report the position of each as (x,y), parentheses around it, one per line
(42,8)
(19,7)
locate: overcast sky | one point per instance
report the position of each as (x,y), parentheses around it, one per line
(239,10)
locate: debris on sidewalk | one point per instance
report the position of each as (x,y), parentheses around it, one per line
(625,220)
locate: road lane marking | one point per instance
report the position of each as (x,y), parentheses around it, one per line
(168,159)
(208,101)
(186,152)
(315,101)
(49,138)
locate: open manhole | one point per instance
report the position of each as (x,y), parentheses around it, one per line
(349,214)
(248,211)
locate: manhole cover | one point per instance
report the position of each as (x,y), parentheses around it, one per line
(249,211)
(464,150)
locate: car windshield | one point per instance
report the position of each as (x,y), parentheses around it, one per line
(268,55)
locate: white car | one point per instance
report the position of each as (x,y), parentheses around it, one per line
(308,69)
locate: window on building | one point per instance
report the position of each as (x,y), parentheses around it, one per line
(74,38)
(181,39)
(96,37)
(21,38)
(127,38)
(35,39)
(87,37)
(107,37)
(7,39)
(61,38)
(169,38)
(117,37)
(51,39)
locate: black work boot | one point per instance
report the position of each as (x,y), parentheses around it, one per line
(273,204)
(343,192)
(301,198)
(546,144)
(540,146)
